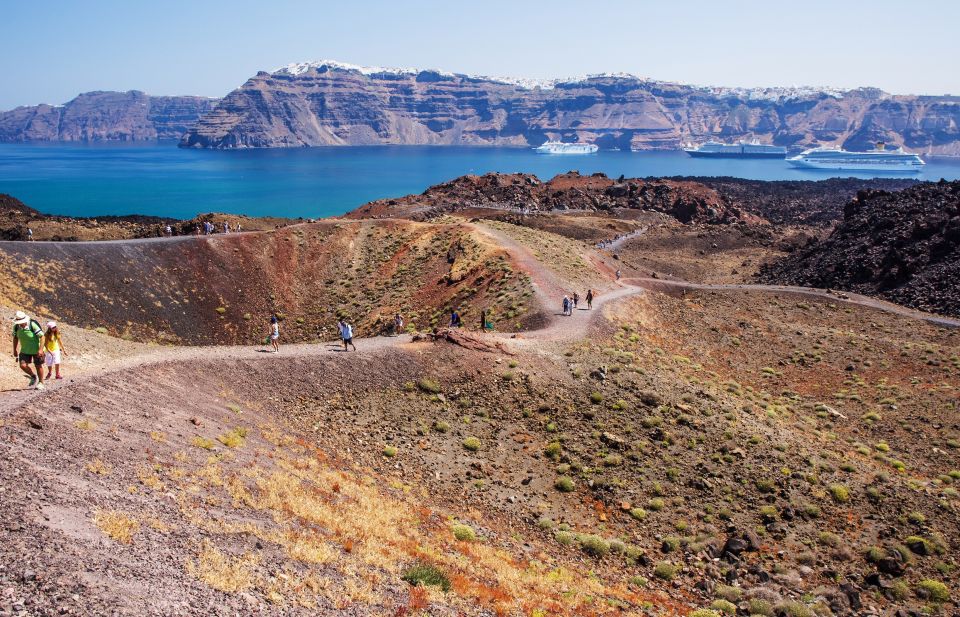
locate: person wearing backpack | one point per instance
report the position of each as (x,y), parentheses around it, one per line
(28,345)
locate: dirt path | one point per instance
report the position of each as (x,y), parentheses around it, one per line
(663,285)
(548,286)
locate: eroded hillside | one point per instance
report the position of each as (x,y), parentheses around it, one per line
(222,289)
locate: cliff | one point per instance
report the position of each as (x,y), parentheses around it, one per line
(105,116)
(329,103)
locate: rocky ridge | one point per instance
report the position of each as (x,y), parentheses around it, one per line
(903,246)
(330,103)
(687,201)
(105,116)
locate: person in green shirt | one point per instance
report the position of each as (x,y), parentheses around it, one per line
(28,337)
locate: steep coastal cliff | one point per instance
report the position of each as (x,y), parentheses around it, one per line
(329,103)
(105,116)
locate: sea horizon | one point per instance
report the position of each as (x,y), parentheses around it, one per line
(157,178)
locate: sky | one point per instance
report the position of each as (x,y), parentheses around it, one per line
(50,51)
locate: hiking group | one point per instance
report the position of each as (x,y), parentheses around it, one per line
(570,303)
(344,327)
(35,348)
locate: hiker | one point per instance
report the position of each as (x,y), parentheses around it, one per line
(589,298)
(28,337)
(196,230)
(226,227)
(454,319)
(238,227)
(53,344)
(483,320)
(397,324)
(29,234)
(619,274)
(566,305)
(346,334)
(275,333)
(168,231)
(576,299)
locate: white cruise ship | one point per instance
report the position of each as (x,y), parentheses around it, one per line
(743,149)
(878,160)
(558,147)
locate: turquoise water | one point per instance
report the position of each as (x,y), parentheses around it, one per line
(163,180)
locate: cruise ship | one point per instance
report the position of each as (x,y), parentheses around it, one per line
(558,147)
(751,150)
(878,160)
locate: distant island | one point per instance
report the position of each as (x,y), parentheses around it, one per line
(329,103)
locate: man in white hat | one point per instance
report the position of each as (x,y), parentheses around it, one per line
(28,337)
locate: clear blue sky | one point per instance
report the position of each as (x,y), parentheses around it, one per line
(52,50)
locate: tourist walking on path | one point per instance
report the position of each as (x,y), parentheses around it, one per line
(29,234)
(53,345)
(576,299)
(619,274)
(483,320)
(566,305)
(28,347)
(455,319)
(346,334)
(589,298)
(397,324)
(275,333)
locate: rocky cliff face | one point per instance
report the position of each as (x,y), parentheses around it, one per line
(903,246)
(328,103)
(103,116)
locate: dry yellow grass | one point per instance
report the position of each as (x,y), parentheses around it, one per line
(326,516)
(98,467)
(117,525)
(221,571)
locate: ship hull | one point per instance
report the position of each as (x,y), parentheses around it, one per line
(871,167)
(736,155)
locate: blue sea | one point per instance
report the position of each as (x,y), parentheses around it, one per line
(163,180)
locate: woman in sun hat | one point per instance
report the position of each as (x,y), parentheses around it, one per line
(28,347)
(53,344)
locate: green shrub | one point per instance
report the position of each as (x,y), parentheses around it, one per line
(596,398)
(464,533)
(665,570)
(553,449)
(704,612)
(638,513)
(656,504)
(795,609)
(424,574)
(441,427)
(594,546)
(935,590)
(760,607)
(725,607)
(728,592)
(389,451)
(564,484)
(768,513)
(564,538)
(471,443)
(430,386)
(670,544)
(840,493)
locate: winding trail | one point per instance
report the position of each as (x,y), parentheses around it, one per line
(549,288)
(848,298)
